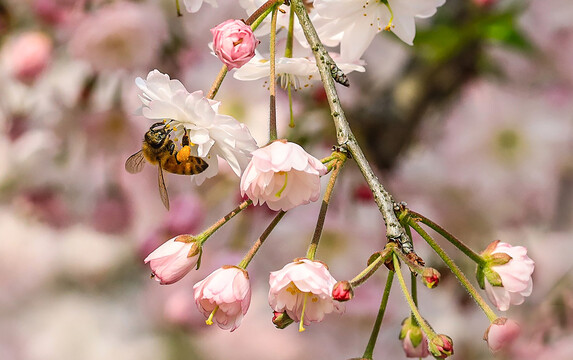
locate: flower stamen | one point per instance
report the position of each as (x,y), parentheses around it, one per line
(301,324)
(209,320)
(279,193)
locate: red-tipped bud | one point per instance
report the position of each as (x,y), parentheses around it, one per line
(281,320)
(342,291)
(441,346)
(431,277)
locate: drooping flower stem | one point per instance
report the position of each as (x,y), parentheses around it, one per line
(414,288)
(254,20)
(249,256)
(201,238)
(372,267)
(451,238)
(430,333)
(376,328)
(272,79)
(345,137)
(288,54)
(455,270)
(338,164)
(218,81)
(178,7)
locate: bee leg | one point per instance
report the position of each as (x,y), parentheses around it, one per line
(156,125)
(185,140)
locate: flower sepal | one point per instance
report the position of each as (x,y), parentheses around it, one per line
(281,319)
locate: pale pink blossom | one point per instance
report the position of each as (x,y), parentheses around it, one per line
(303,290)
(283,175)
(224,296)
(515,275)
(174,259)
(501,333)
(27,55)
(234,43)
(121,35)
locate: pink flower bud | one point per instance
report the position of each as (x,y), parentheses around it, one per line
(174,259)
(28,55)
(224,296)
(342,291)
(234,43)
(441,346)
(414,341)
(281,319)
(501,333)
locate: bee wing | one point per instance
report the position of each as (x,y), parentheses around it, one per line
(162,189)
(135,162)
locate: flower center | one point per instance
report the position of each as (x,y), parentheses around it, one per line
(279,193)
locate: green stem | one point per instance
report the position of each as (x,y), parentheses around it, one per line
(455,270)
(414,288)
(451,238)
(218,81)
(371,268)
(290,34)
(421,321)
(345,137)
(376,329)
(273,80)
(249,256)
(178,7)
(201,238)
(311,252)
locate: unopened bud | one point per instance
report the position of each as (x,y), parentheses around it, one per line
(441,346)
(281,320)
(342,291)
(501,333)
(431,277)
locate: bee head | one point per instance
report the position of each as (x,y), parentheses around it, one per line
(157,137)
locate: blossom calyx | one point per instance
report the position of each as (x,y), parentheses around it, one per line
(342,291)
(171,261)
(500,333)
(414,341)
(431,277)
(441,346)
(281,319)
(508,271)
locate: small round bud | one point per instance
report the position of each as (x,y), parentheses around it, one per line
(281,320)
(431,277)
(501,333)
(441,346)
(342,291)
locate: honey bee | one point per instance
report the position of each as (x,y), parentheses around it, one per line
(158,149)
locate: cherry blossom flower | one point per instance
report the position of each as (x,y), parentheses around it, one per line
(213,134)
(508,272)
(298,71)
(283,175)
(234,43)
(501,333)
(303,290)
(121,35)
(355,23)
(441,346)
(174,259)
(194,5)
(414,341)
(224,296)
(27,55)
